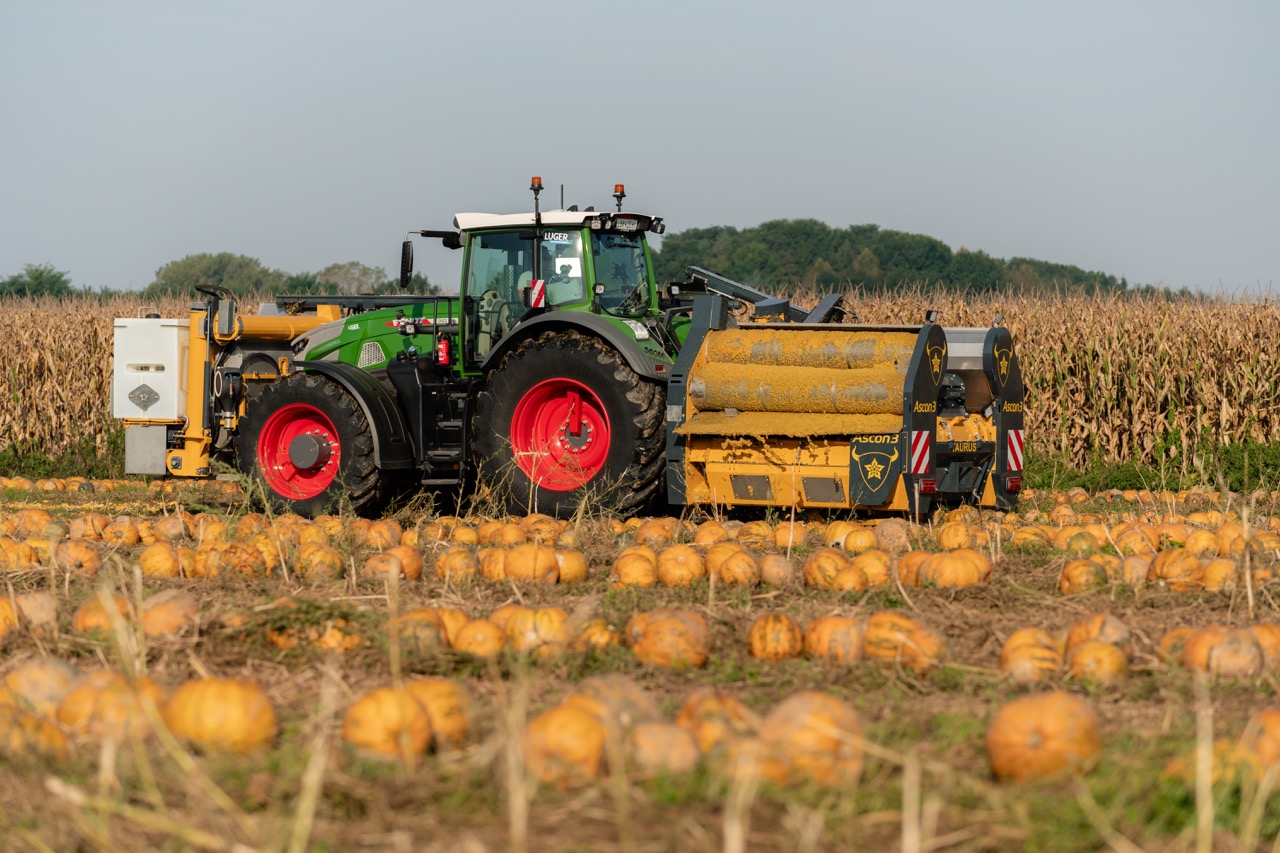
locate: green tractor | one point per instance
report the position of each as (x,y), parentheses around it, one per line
(562,374)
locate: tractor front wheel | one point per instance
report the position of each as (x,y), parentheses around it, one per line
(309,445)
(562,420)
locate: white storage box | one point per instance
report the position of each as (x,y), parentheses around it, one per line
(148,382)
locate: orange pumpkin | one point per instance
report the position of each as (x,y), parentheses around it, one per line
(24,734)
(892,638)
(955,534)
(231,714)
(480,638)
(656,749)
(634,567)
(1178,568)
(711,716)
(1268,636)
(779,570)
(1224,651)
(909,567)
(709,533)
(875,565)
(1079,576)
(94,615)
(421,629)
(1231,762)
(77,555)
(571,565)
(533,563)
(382,565)
(1039,736)
(739,568)
(160,560)
(219,558)
(39,685)
(834,638)
(674,639)
(596,635)
(318,560)
(542,631)
(1097,662)
(565,744)
(836,532)
(1030,656)
(1263,736)
(755,534)
(857,540)
(1219,574)
(1173,642)
(618,700)
(168,612)
(680,565)
(447,707)
(961,567)
(789,534)
(822,565)
(775,636)
(103,705)
(458,562)
(1104,627)
(388,723)
(820,737)
(88,526)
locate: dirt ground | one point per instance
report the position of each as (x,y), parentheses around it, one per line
(926,785)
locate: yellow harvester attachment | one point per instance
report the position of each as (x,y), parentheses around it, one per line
(826,415)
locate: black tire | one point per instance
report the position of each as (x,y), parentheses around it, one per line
(288,403)
(633,468)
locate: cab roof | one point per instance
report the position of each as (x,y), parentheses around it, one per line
(477,221)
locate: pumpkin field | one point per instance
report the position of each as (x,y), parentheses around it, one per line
(182,671)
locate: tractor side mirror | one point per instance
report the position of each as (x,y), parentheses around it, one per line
(406,263)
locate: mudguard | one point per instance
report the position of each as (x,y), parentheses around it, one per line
(646,364)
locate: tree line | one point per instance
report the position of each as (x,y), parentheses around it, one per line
(239,274)
(785,253)
(778,255)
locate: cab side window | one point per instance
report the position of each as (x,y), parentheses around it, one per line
(498,265)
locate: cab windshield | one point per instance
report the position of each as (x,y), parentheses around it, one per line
(620,266)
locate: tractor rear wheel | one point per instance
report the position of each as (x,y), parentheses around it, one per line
(562,420)
(310,446)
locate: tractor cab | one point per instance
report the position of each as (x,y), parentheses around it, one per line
(519,266)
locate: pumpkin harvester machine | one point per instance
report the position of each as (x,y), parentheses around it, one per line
(562,374)
(779,411)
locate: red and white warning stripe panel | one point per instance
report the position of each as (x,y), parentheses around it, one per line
(1015,450)
(919,451)
(538,293)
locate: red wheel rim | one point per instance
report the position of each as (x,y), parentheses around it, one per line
(287,474)
(560,434)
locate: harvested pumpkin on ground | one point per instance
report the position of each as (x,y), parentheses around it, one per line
(1042,735)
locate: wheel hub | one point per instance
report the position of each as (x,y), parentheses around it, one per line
(299,452)
(580,442)
(309,451)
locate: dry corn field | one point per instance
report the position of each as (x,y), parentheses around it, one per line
(1109,378)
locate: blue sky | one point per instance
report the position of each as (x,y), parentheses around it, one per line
(1135,138)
